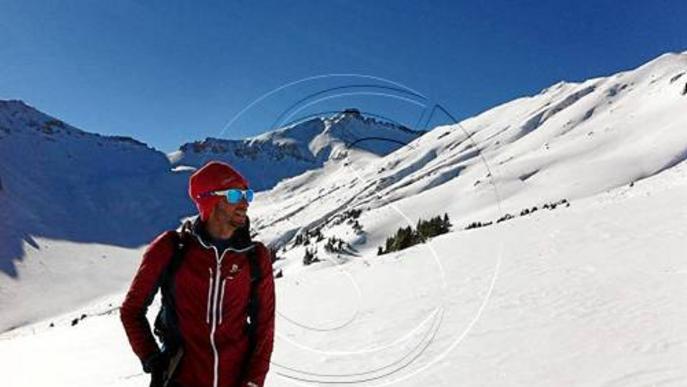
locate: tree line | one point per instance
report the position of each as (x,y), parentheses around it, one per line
(408,236)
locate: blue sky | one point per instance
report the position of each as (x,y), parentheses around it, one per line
(169,72)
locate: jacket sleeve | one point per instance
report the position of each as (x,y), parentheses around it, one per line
(141,293)
(259,361)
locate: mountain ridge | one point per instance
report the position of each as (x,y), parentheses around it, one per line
(298,147)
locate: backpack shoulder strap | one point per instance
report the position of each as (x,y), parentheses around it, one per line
(173,265)
(165,326)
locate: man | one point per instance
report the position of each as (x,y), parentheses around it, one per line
(211,292)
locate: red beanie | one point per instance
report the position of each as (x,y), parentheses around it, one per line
(213,176)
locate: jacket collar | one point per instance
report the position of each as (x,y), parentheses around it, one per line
(239,241)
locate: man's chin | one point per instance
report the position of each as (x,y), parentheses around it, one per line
(238,221)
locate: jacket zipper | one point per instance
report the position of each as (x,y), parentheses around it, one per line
(215,293)
(214,304)
(207,315)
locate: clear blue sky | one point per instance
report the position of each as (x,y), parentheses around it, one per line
(169,72)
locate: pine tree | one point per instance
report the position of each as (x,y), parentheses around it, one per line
(447,223)
(310,256)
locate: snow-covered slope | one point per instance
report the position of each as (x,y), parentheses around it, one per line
(590,295)
(298,148)
(573,140)
(71,202)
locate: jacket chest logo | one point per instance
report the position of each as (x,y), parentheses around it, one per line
(234,270)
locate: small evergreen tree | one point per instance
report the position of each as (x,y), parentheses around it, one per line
(310,256)
(446,223)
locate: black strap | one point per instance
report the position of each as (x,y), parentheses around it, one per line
(166,323)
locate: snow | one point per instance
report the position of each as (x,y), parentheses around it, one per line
(63,275)
(585,295)
(590,294)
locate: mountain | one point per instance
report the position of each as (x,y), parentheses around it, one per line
(298,148)
(74,204)
(570,141)
(77,205)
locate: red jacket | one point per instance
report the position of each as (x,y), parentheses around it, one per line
(211,294)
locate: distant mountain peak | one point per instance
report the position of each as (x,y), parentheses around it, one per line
(19,118)
(298,147)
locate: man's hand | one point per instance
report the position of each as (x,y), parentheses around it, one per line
(156,365)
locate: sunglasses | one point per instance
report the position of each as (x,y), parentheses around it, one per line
(234,195)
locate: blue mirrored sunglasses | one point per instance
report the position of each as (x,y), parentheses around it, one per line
(235,195)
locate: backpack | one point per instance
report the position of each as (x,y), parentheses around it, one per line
(166,327)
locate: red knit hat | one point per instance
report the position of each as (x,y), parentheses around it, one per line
(213,176)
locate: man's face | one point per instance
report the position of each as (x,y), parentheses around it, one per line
(234,214)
